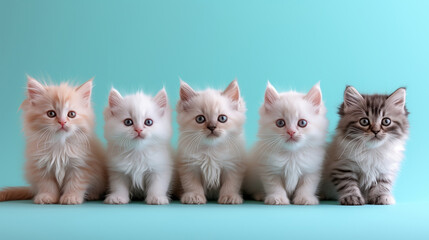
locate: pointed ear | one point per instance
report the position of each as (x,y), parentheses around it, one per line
(161,98)
(271,95)
(314,95)
(34,88)
(115,98)
(186,92)
(85,90)
(352,97)
(232,91)
(397,98)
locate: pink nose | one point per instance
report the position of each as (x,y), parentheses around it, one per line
(138,130)
(290,132)
(62,123)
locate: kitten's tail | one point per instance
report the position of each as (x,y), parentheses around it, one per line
(16,193)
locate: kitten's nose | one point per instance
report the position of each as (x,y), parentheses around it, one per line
(211,127)
(290,132)
(62,123)
(138,130)
(375,131)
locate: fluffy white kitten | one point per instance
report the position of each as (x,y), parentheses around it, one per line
(211,144)
(286,161)
(138,131)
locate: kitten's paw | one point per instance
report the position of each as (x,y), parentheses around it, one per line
(382,200)
(193,198)
(45,198)
(70,199)
(352,200)
(157,200)
(305,200)
(276,200)
(117,199)
(230,199)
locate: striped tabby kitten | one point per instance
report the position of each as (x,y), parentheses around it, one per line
(364,157)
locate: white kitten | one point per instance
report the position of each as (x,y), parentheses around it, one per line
(288,157)
(211,144)
(138,131)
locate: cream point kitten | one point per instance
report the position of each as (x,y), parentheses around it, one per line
(211,144)
(65,160)
(138,131)
(288,156)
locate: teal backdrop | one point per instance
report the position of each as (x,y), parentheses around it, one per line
(376,46)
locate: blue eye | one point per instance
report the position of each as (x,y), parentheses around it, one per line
(364,122)
(280,123)
(302,123)
(386,121)
(51,114)
(128,122)
(222,118)
(148,122)
(200,119)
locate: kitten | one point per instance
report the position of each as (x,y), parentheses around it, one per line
(365,154)
(211,144)
(286,162)
(65,160)
(138,131)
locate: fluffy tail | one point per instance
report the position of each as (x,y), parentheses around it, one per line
(16,193)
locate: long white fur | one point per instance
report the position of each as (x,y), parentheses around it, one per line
(139,167)
(288,170)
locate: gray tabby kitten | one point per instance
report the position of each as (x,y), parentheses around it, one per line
(363,160)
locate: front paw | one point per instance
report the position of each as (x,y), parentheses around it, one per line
(193,198)
(305,200)
(230,199)
(353,200)
(70,199)
(45,198)
(382,200)
(117,199)
(157,200)
(276,200)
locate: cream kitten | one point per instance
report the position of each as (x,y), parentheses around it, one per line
(211,144)
(65,160)
(138,130)
(286,162)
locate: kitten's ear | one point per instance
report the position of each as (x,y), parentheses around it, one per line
(161,98)
(314,95)
(85,91)
(34,88)
(271,95)
(397,98)
(352,97)
(186,92)
(232,91)
(114,98)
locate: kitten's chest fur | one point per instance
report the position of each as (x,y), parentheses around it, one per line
(211,161)
(58,158)
(292,165)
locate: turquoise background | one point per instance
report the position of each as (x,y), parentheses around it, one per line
(376,46)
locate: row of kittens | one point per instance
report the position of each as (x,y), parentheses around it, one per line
(291,161)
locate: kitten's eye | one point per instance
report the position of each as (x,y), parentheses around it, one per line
(148,122)
(128,122)
(71,114)
(302,123)
(280,123)
(51,114)
(386,121)
(364,121)
(200,119)
(222,118)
